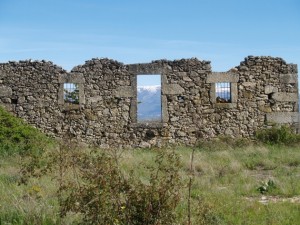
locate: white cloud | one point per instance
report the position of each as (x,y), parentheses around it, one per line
(153,88)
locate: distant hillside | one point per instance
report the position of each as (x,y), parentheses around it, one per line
(149,103)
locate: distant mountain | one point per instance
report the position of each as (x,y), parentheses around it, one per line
(149,103)
(226,96)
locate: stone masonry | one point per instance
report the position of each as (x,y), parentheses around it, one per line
(264,90)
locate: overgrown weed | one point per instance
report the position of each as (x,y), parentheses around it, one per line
(278,135)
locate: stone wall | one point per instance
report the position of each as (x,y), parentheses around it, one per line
(264,90)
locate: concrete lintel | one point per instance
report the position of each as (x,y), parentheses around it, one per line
(288,78)
(217,77)
(124,91)
(283,117)
(5,91)
(172,89)
(71,78)
(285,97)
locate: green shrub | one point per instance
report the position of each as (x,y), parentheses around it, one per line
(277,135)
(266,186)
(17,137)
(205,213)
(92,185)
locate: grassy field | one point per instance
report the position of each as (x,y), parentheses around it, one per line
(225,186)
(221,182)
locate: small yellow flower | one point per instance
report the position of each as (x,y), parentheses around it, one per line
(36,188)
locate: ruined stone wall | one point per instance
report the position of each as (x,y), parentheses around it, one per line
(264,90)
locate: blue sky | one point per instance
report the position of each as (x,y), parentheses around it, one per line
(69,32)
(149,80)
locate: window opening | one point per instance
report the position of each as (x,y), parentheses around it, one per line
(180,98)
(149,98)
(223,92)
(71,93)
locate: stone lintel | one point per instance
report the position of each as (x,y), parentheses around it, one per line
(71,78)
(288,78)
(5,91)
(145,68)
(147,125)
(124,91)
(172,89)
(285,97)
(226,105)
(283,117)
(218,77)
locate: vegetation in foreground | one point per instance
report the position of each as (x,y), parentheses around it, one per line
(221,182)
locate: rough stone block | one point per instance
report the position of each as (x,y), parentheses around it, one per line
(194,74)
(124,91)
(218,77)
(182,74)
(283,117)
(249,84)
(285,97)
(95,99)
(172,89)
(186,78)
(270,89)
(165,114)
(5,91)
(266,109)
(289,78)
(293,68)
(234,92)
(248,94)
